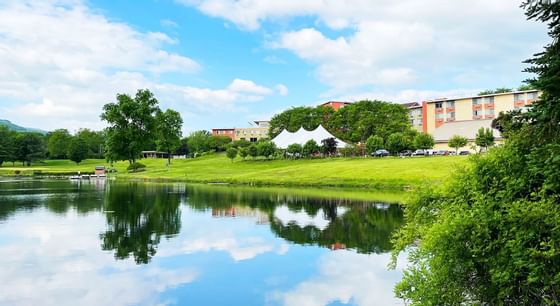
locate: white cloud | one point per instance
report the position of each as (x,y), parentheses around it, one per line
(302,218)
(61,62)
(282,89)
(169,23)
(388,44)
(346,277)
(408,95)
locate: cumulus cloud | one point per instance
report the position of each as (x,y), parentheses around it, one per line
(282,89)
(61,62)
(394,43)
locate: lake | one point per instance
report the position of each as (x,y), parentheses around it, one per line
(134,243)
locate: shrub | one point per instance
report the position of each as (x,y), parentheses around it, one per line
(231,153)
(136,167)
(294,150)
(266,149)
(310,148)
(374,143)
(253,151)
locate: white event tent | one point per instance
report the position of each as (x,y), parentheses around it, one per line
(285,138)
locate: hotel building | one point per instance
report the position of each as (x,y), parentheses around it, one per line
(252,134)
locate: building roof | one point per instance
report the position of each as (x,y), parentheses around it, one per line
(341,102)
(285,138)
(411,105)
(467,128)
(481,96)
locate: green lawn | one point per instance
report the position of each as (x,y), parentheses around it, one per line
(336,172)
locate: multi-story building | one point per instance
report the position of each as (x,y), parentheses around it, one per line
(415,115)
(224,132)
(444,118)
(252,134)
(336,105)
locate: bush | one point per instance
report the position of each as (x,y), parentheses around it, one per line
(374,143)
(253,151)
(294,150)
(17,172)
(231,153)
(266,149)
(310,148)
(136,167)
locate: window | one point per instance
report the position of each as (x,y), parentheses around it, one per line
(532,95)
(451,115)
(476,101)
(477,113)
(439,104)
(489,112)
(519,97)
(450,104)
(489,100)
(440,116)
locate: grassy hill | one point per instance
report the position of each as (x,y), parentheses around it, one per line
(17,128)
(336,172)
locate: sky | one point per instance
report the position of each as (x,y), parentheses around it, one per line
(226,63)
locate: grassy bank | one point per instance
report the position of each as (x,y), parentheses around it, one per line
(337,172)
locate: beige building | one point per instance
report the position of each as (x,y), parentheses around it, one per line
(253,134)
(444,118)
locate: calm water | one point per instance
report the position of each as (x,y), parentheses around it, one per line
(64,243)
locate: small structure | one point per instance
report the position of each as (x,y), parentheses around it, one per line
(467,129)
(99,170)
(302,136)
(154,154)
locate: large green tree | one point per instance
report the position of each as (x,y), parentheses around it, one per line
(198,141)
(57,144)
(168,131)
(132,125)
(489,235)
(457,142)
(8,147)
(294,118)
(30,147)
(77,149)
(423,141)
(95,141)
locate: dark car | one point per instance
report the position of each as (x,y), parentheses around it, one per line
(405,153)
(464,153)
(381,153)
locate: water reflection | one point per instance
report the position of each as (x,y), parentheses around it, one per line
(172,238)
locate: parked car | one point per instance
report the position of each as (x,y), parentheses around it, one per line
(441,152)
(381,153)
(405,153)
(464,153)
(419,153)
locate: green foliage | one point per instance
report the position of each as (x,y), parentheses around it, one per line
(295,150)
(168,131)
(351,151)
(310,148)
(495,91)
(243,152)
(374,143)
(58,144)
(198,141)
(30,147)
(484,138)
(95,142)
(266,149)
(457,142)
(77,149)
(7,145)
(218,143)
(398,142)
(231,153)
(253,150)
(241,144)
(131,125)
(293,119)
(328,146)
(490,235)
(423,141)
(136,167)
(526,87)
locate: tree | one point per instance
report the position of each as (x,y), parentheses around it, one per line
(183,148)
(198,141)
(295,150)
(489,235)
(374,143)
(58,143)
(253,151)
(168,131)
(423,141)
(30,147)
(484,138)
(310,148)
(297,117)
(495,91)
(7,145)
(457,142)
(95,142)
(329,146)
(131,125)
(218,143)
(266,149)
(525,87)
(397,142)
(231,153)
(77,149)
(243,152)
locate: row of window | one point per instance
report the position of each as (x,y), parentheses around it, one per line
(526,96)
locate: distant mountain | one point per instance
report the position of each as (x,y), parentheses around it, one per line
(17,128)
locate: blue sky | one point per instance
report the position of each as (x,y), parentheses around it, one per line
(223,63)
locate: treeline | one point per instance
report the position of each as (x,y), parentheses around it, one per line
(354,123)
(26,147)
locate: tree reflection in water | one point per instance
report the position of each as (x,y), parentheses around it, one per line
(138,215)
